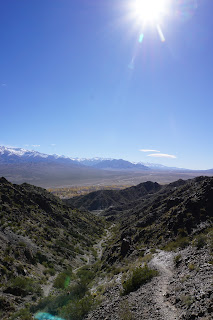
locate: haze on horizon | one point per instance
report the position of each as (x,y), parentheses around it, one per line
(84,79)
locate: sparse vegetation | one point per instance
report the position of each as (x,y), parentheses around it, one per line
(180,242)
(77,309)
(70,192)
(124,311)
(138,277)
(177,260)
(23,314)
(53,235)
(63,279)
(200,241)
(187,300)
(191,266)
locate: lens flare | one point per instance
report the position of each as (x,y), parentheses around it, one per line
(185,9)
(46,316)
(140,40)
(160,32)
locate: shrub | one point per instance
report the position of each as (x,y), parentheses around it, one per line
(53,304)
(22,314)
(191,266)
(180,242)
(78,309)
(187,300)
(49,271)
(24,286)
(124,311)
(138,277)
(63,279)
(3,270)
(201,241)
(182,232)
(146,258)
(177,260)
(86,274)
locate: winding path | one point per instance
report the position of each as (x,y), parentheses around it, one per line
(99,246)
(48,287)
(163,262)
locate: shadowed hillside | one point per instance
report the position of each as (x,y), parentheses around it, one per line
(99,200)
(169,217)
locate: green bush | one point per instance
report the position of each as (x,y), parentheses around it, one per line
(180,242)
(63,279)
(201,241)
(138,277)
(53,304)
(22,314)
(191,266)
(86,274)
(25,285)
(78,309)
(177,260)
(49,271)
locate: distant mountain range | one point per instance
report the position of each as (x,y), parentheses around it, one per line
(106,163)
(19,165)
(18,155)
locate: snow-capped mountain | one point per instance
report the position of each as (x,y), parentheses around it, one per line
(109,163)
(158,166)
(119,164)
(101,163)
(90,162)
(19,155)
(20,165)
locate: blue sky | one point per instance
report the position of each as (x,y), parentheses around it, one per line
(67,85)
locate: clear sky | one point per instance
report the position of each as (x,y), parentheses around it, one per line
(75,80)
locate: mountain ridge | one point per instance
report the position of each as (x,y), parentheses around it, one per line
(103,199)
(21,165)
(14,155)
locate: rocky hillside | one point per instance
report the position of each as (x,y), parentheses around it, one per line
(182,290)
(174,213)
(39,236)
(154,261)
(171,232)
(103,199)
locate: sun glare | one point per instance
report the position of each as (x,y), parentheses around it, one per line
(150,10)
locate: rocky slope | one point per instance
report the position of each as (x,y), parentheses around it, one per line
(39,236)
(175,212)
(163,228)
(180,291)
(170,230)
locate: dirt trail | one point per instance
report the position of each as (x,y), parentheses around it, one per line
(163,262)
(47,287)
(99,246)
(149,302)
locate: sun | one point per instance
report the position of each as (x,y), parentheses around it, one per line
(150,10)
